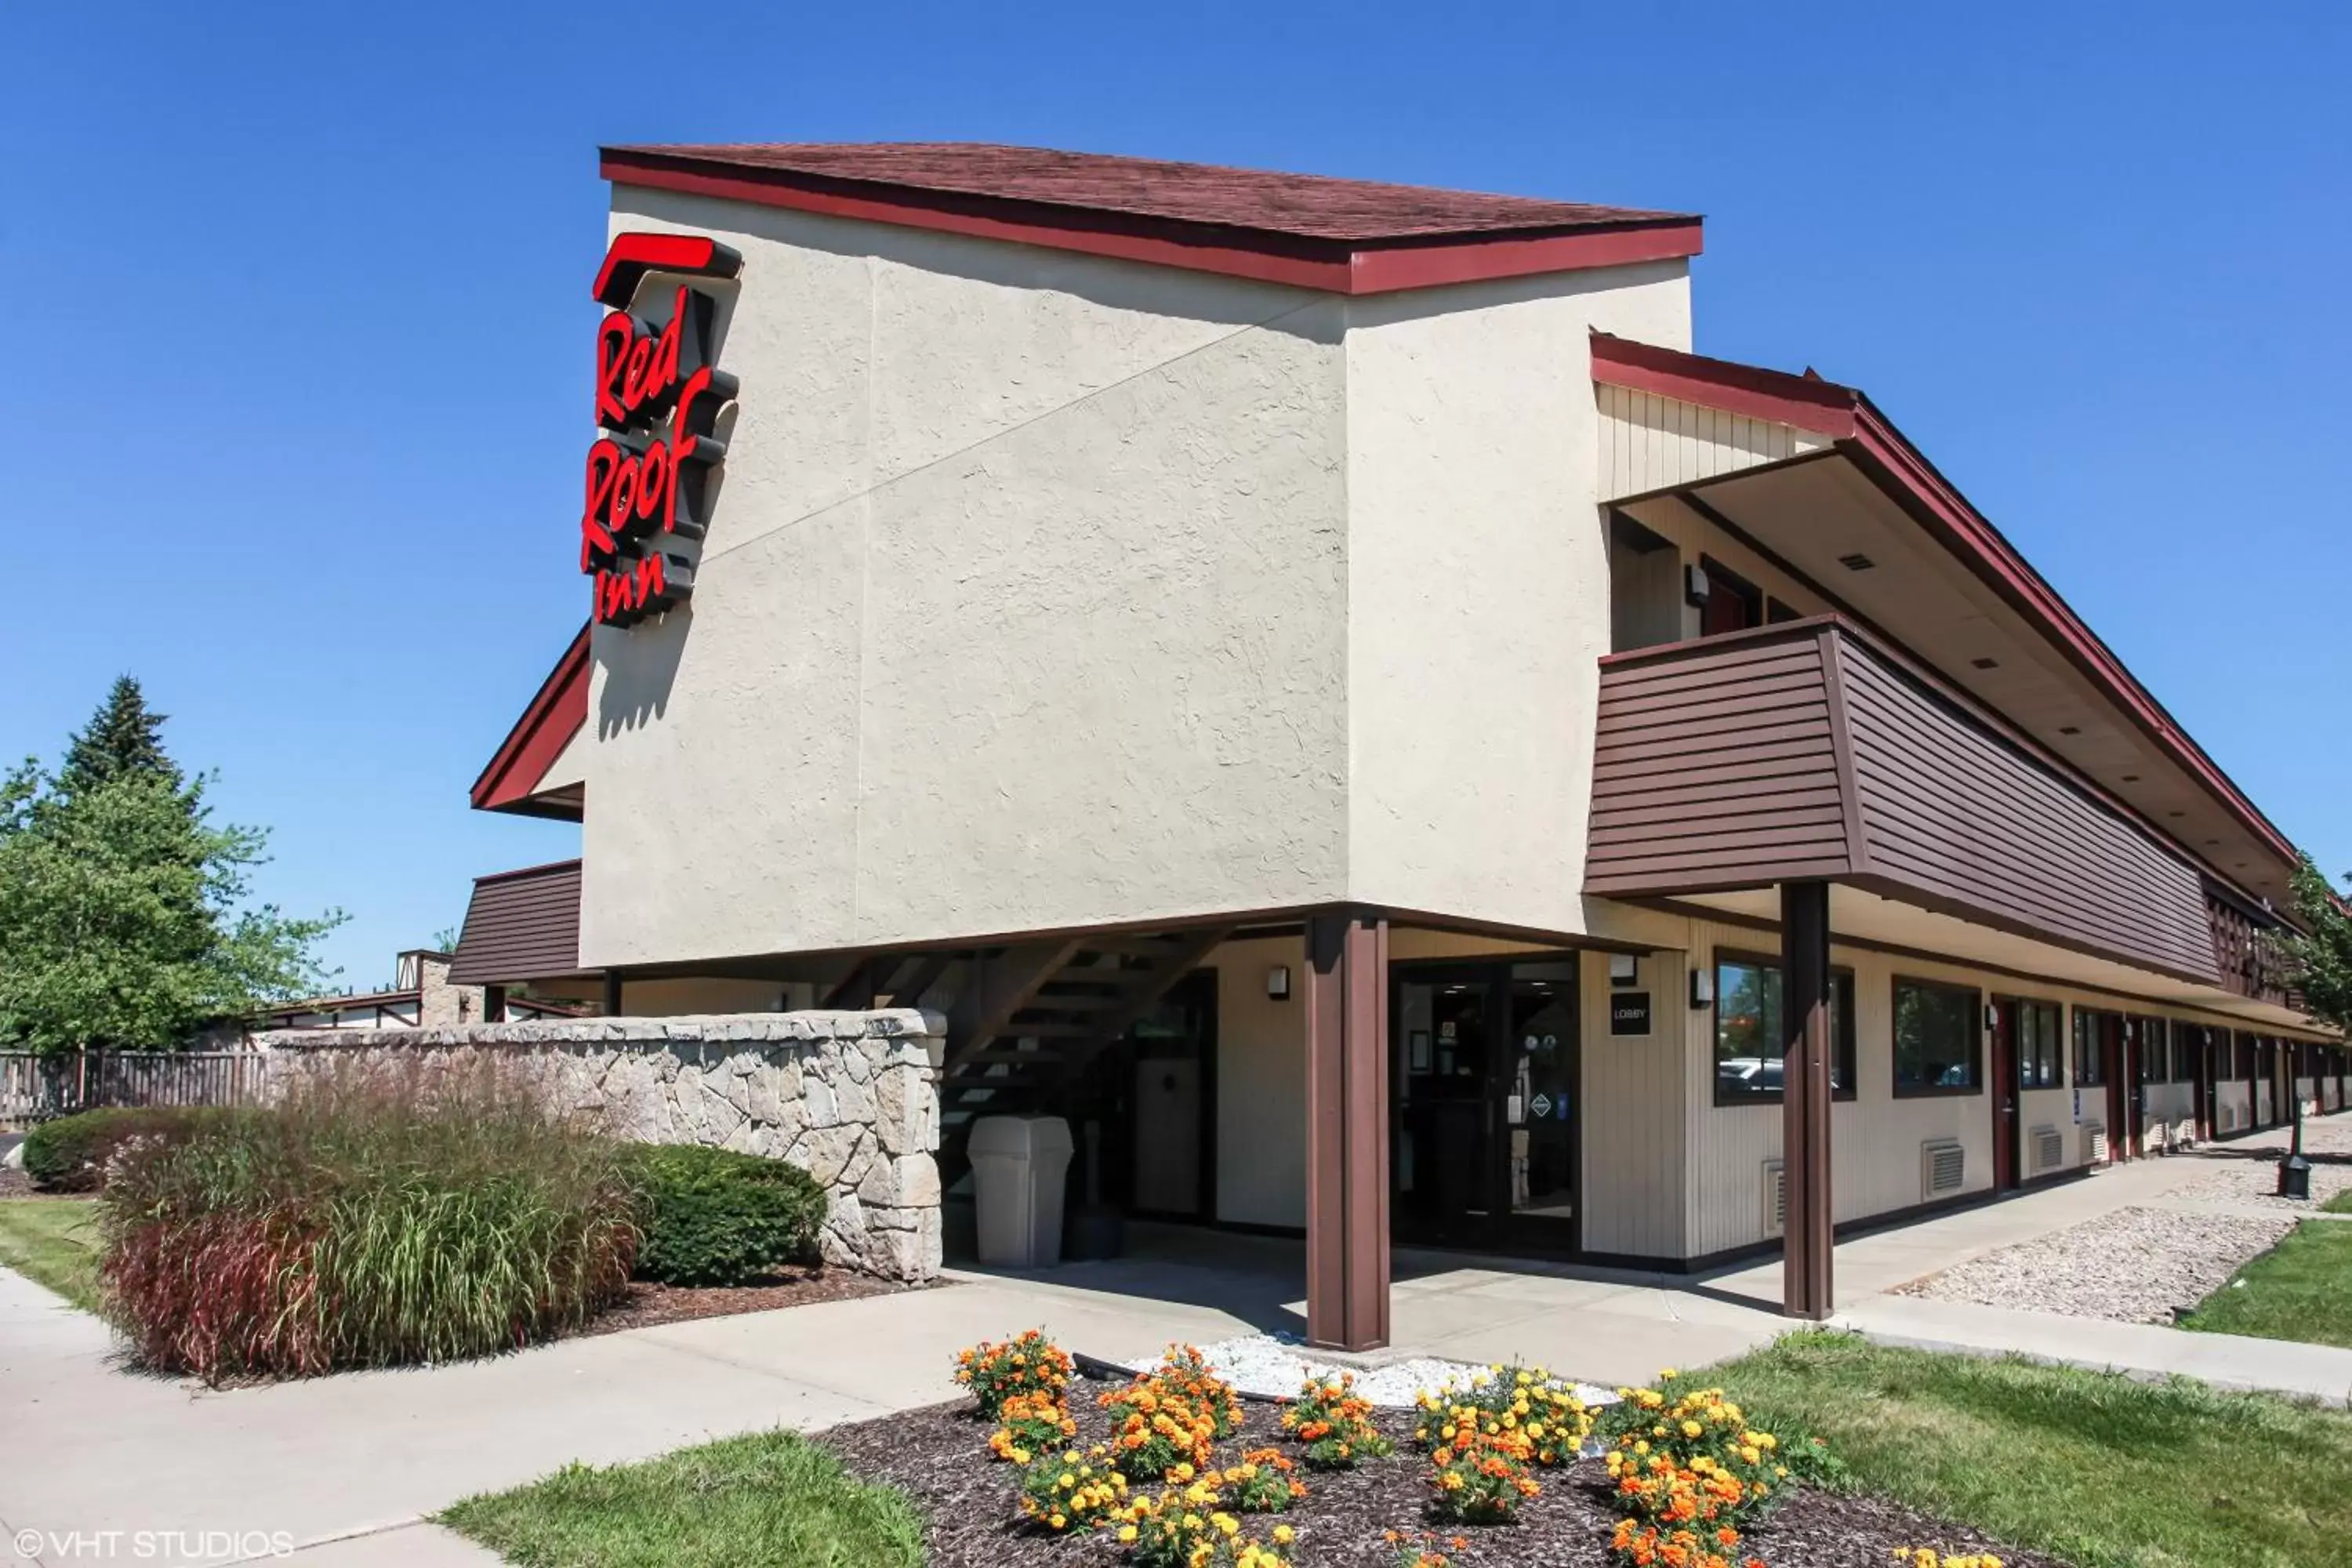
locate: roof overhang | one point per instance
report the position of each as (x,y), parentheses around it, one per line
(1842,481)
(517,778)
(1339,266)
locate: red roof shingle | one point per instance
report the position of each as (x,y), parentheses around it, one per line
(1190,215)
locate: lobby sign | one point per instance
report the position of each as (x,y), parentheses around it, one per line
(1629,1012)
(659,398)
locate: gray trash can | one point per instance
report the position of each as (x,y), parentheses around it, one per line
(1018,1167)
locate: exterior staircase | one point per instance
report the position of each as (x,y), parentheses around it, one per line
(1027,1018)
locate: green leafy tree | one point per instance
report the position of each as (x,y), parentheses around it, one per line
(122,917)
(2322,960)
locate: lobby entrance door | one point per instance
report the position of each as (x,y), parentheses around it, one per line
(1485,1135)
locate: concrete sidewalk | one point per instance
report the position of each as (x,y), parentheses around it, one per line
(2141,1349)
(346,1467)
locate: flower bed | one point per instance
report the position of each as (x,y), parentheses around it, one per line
(1380,1511)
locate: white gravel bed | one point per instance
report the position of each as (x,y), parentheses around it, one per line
(2134,1265)
(2254,1183)
(1274,1366)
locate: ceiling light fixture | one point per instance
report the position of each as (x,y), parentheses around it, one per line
(1986,663)
(2070,729)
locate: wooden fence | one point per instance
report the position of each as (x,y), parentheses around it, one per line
(35,1088)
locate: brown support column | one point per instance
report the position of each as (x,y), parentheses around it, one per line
(612,993)
(1346,996)
(1806,1287)
(494,1003)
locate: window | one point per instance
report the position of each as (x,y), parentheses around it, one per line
(2040,1060)
(1749,1055)
(1938,1038)
(2090,1062)
(2155,1038)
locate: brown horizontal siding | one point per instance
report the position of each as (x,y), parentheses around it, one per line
(1722,765)
(1808,751)
(521,925)
(1953,811)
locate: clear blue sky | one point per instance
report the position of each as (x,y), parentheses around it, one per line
(297,371)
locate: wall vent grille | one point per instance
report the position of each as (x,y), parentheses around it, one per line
(2094,1143)
(1943,1168)
(1776,1198)
(2048,1149)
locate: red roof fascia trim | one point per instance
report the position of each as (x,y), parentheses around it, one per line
(1388,271)
(1363,270)
(557,711)
(1821,406)
(544,869)
(1977,542)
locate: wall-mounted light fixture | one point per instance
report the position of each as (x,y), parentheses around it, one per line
(1277,982)
(1624,970)
(1993,1016)
(1696,584)
(1701,987)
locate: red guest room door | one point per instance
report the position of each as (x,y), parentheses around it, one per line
(2004,1096)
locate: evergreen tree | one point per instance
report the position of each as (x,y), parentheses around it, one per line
(122,738)
(122,922)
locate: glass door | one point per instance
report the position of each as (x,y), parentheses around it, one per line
(1483,1144)
(1539,1108)
(1440,1156)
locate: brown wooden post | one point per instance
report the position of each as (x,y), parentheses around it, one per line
(1346,996)
(1807,1288)
(494,1003)
(612,993)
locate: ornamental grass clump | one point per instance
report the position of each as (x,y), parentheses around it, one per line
(1334,1424)
(1028,1363)
(382,1215)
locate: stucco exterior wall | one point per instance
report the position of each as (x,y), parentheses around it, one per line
(1478,585)
(1044,590)
(1021,608)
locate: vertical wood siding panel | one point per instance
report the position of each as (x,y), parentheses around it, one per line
(1651,443)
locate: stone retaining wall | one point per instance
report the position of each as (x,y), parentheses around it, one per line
(852,1097)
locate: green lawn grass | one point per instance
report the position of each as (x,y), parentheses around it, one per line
(772,1496)
(53,1242)
(2299,1290)
(2093,1467)
(2340,1204)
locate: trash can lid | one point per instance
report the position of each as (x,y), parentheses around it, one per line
(1031,1135)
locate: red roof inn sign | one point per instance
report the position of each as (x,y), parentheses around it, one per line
(657,402)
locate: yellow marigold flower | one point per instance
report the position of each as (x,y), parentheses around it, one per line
(1283,1534)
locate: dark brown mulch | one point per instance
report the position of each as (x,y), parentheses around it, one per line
(647,1305)
(940,1455)
(16,1184)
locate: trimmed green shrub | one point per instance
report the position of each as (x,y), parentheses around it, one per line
(69,1153)
(713,1216)
(382,1215)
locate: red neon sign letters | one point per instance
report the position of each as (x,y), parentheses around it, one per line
(657,404)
